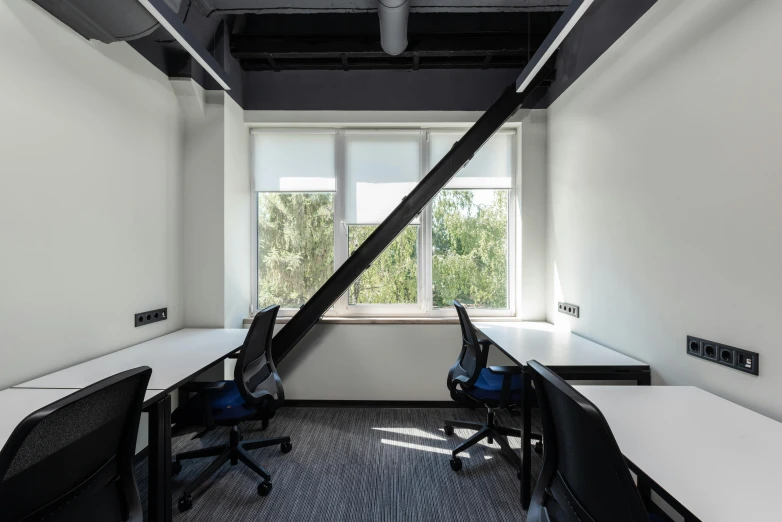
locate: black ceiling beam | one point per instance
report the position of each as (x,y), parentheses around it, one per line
(252,46)
(364,65)
(462,152)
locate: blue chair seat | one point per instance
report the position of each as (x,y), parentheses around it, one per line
(488,387)
(227,405)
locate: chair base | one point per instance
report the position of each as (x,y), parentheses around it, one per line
(234,452)
(490,431)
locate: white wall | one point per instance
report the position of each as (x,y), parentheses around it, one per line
(374,362)
(90,196)
(237,218)
(217,213)
(204,207)
(665,187)
(534,210)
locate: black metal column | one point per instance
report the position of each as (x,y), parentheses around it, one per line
(462,151)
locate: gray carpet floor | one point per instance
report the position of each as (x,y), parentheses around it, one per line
(357,464)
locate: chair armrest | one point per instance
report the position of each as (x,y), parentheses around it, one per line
(505,370)
(196,387)
(234,355)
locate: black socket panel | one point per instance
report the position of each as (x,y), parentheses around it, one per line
(153,316)
(736,358)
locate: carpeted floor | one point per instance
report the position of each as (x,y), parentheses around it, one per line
(358,464)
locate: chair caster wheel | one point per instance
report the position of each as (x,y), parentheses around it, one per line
(448,430)
(286,447)
(456,463)
(537,447)
(185,503)
(264,488)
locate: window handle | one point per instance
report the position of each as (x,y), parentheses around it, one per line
(344,227)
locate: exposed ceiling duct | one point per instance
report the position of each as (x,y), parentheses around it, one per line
(106,20)
(393,25)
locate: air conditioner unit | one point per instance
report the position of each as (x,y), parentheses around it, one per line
(106,20)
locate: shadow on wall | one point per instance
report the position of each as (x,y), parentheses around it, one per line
(694,20)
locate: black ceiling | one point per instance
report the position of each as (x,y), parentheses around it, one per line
(322,58)
(351,41)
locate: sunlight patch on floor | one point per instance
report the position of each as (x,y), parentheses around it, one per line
(413,432)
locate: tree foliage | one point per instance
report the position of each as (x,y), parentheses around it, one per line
(295,246)
(469,251)
(393,277)
(469,248)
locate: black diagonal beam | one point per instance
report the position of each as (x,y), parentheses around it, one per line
(462,151)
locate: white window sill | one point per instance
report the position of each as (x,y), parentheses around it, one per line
(392,320)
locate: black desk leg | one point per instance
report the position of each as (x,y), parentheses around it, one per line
(526,440)
(159,504)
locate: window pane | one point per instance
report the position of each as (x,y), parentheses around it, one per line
(393,277)
(295,246)
(470,248)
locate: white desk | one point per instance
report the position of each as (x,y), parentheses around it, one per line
(570,356)
(527,341)
(17,404)
(174,358)
(719,461)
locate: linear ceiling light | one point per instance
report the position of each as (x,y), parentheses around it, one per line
(564,25)
(169,20)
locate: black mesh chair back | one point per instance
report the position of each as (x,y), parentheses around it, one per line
(255,374)
(72,461)
(585,477)
(471,359)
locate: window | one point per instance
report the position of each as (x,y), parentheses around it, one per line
(294,180)
(320,193)
(471,227)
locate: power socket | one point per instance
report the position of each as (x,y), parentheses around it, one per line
(153,316)
(570,309)
(730,356)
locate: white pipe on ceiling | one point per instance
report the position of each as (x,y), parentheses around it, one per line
(393,25)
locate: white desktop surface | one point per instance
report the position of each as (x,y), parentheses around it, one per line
(721,461)
(526,341)
(16,404)
(173,358)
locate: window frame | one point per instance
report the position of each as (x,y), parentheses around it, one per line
(424,307)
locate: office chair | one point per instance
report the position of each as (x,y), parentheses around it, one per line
(254,394)
(585,476)
(496,387)
(72,461)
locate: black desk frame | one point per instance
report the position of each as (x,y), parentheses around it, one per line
(159,504)
(641,374)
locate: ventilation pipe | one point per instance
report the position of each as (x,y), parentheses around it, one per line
(393,25)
